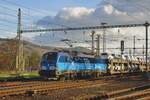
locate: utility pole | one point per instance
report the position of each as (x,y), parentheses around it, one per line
(98,45)
(134,45)
(146,42)
(104,37)
(122,47)
(93,33)
(122,52)
(143,52)
(19,56)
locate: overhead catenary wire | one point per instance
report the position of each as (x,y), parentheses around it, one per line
(8,8)
(8,14)
(6,30)
(35,10)
(133,17)
(26,17)
(8,17)
(31,9)
(12,13)
(12,16)
(140,6)
(28,8)
(7,25)
(7,21)
(24,14)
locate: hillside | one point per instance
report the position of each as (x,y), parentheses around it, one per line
(32,53)
(28,46)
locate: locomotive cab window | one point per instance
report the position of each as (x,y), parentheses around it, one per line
(64,59)
(52,57)
(78,60)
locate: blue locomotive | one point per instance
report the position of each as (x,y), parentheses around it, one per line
(65,65)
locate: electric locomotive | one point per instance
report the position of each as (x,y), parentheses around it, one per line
(66,65)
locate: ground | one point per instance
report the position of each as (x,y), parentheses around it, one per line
(80,93)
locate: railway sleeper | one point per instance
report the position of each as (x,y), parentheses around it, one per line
(121,92)
(134,96)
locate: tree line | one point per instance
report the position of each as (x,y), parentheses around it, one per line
(8,51)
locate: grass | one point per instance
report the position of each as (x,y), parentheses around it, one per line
(29,74)
(12,75)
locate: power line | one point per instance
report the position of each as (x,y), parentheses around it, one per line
(11,15)
(27,16)
(4,13)
(5,30)
(148,9)
(13,10)
(143,7)
(7,8)
(32,9)
(121,10)
(58,25)
(19,5)
(7,21)
(7,25)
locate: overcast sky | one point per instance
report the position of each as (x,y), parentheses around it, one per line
(75,13)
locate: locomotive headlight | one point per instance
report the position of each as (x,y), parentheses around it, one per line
(52,67)
(44,68)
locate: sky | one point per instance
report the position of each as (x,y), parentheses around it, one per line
(37,9)
(37,14)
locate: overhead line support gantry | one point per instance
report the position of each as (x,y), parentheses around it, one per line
(83,28)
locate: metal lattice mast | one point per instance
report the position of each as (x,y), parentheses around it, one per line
(98,45)
(93,47)
(146,42)
(19,56)
(134,45)
(104,37)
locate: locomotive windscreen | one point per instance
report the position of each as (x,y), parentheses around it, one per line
(51,57)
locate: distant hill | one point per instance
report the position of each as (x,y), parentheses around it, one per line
(29,46)
(32,53)
(80,49)
(8,51)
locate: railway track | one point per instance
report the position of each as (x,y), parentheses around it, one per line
(23,82)
(42,87)
(134,93)
(5,85)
